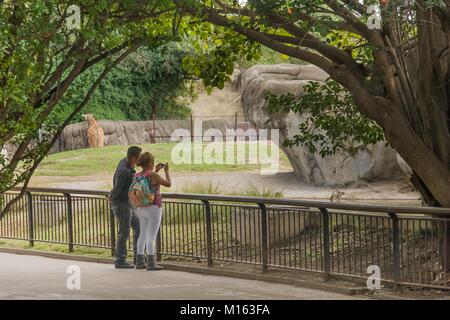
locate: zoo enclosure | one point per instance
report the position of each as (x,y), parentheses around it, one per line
(409,244)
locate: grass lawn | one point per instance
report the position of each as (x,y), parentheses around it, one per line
(85,162)
(61,248)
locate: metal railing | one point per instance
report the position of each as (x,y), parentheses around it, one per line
(410,245)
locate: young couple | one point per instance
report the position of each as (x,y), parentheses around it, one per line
(144,221)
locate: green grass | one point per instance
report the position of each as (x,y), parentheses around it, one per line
(86,162)
(52,247)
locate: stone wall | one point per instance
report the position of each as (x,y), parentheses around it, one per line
(131,132)
(374,162)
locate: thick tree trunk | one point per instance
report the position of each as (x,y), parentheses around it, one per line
(411,73)
(423,161)
(429,172)
(430,70)
(402,136)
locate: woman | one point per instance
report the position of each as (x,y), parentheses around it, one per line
(150,217)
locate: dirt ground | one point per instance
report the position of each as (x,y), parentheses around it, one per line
(392,192)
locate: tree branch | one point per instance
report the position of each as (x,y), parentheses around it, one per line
(80,106)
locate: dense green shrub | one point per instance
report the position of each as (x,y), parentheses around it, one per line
(150,75)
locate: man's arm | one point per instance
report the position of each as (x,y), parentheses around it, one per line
(121,184)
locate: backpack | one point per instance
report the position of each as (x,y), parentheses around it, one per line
(141,192)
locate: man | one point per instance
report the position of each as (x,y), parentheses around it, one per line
(121,207)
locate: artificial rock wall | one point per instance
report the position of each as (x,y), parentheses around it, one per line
(74,136)
(376,162)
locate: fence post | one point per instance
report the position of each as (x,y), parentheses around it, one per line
(30,219)
(326,241)
(235,125)
(264,237)
(69,220)
(192,129)
(208,222)
(396,246)
(158,245)
(112,230)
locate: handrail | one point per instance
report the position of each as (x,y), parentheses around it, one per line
(273,201)
(216,228)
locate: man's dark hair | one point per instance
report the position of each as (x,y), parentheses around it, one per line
(133,152)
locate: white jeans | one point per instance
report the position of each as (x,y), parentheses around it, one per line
(149,222)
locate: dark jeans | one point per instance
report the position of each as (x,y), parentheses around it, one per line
(126,218)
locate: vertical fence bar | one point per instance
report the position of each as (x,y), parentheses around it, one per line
(235,124)
(192,129)
(326,241)
(446,253)
(112,225)
(396,246)
(208,222)
(30,219)
(264,237)
(69,221)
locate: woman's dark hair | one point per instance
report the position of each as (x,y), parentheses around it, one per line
(133,152)
(145,159)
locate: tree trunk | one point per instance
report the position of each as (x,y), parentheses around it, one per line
(424,162)
(410,72)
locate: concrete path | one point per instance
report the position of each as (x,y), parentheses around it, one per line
(31,277)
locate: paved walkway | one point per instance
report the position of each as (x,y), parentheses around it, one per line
(32,277)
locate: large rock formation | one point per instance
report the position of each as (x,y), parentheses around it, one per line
(374,162)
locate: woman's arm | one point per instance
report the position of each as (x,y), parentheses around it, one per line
(157,179)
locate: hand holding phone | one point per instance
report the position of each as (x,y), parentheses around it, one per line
(159,166)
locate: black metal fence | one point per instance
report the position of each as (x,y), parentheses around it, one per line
(410,245)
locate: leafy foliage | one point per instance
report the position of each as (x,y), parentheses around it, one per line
(269,56)
(215,52)
(41,58)
(130,88)
(331,120)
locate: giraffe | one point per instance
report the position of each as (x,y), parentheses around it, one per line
(95,133)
